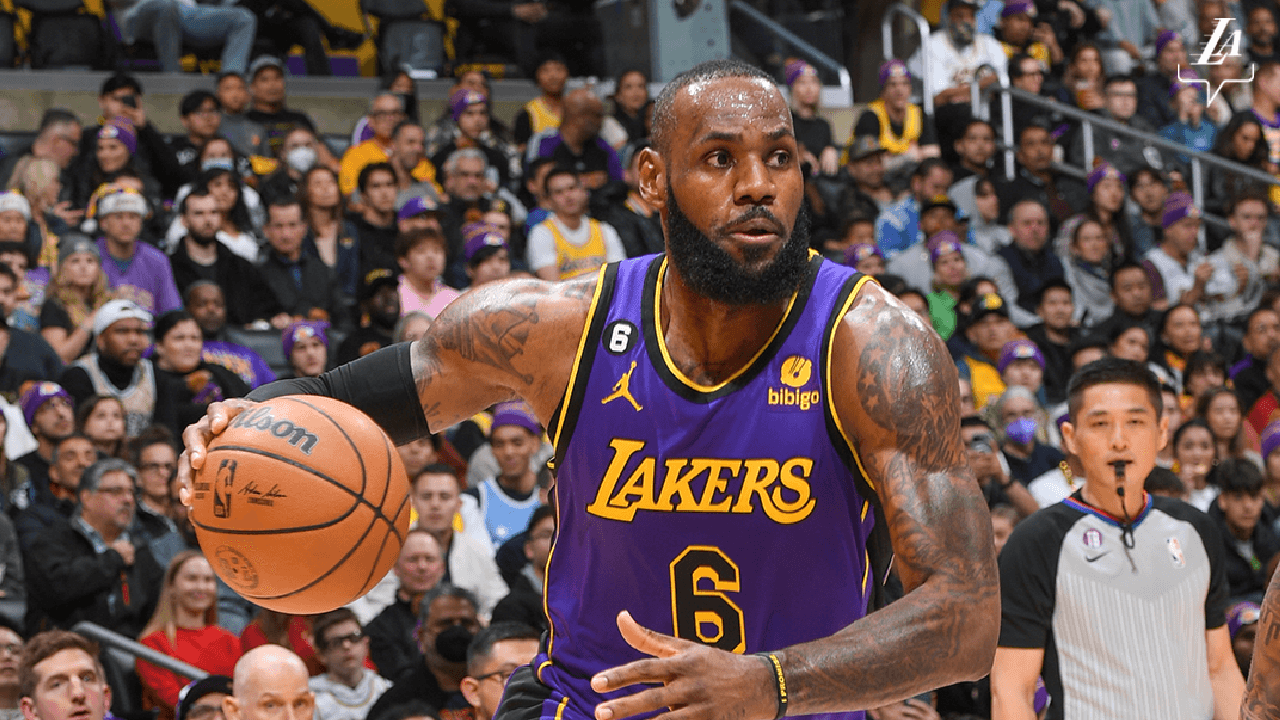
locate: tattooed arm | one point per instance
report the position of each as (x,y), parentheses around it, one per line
(1262,693)
(897,395)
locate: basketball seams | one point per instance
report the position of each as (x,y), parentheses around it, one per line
(250,450)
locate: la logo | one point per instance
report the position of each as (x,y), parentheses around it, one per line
(1215,52)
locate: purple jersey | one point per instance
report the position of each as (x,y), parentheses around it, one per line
(735,515)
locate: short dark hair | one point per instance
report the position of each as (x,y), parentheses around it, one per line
(1201,360)
(1249,193)
(1248,319)
(892,284)
(1054,283)
(227,74)
(1163,481)
(362,181)
(279,201)
(481,647)
(1126,265)
(1113,371)
(436,468)
(1015,65)
(1036,123)
(558,171)
(1149,171)
(406,242)
(1236,476)
(44,646)
(117,81)
(196,191)
(1184,428)
(57,116)
(443,589)
(404,124)
(168,321)
(1116,79)
(411,709)
(534,166)
(328,620)
(540,513)
(663,119)
(151,435)
(192,101)
(6,270)
(975,421)
(928,165)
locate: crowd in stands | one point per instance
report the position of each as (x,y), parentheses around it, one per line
(143,277)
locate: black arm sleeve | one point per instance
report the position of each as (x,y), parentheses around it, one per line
(379,384)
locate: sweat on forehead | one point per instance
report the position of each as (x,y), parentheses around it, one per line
(664,116)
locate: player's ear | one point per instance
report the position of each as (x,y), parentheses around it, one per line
(1069,437)
(470,690)
(653,178)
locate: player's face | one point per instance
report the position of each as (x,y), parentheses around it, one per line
(420,565)
(436,499)
(345,648)
(69,685)
(513,447)
(1115,421)
(730,190)
(491,677)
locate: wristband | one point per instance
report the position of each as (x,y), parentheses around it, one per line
(779,681)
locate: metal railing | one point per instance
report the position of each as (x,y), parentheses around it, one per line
(116,641)
(811,53)
(922,25)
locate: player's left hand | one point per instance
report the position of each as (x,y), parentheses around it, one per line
(697,681)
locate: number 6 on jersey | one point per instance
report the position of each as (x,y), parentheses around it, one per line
(693,608)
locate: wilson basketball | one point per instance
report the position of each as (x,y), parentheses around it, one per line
(302,504)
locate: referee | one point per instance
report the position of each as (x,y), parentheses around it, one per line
(1115,597)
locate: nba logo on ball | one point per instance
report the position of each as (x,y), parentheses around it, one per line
(301,505)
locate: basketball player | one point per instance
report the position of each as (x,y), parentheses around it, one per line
(1262,693)
(785,422)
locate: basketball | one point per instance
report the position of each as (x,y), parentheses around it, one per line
(301,505)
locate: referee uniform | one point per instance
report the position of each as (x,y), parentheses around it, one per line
(1122,624)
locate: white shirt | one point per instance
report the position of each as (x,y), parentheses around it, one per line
(542,245)
(336,701)
(1179,278)
(950,67)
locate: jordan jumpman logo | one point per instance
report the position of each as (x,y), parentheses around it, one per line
(622,389)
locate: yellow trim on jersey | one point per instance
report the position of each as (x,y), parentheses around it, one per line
(831,402)
(666,356)
(577,357)
(560,708)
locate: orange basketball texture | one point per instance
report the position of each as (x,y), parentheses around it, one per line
(302,504)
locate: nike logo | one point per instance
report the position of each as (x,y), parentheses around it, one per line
(1097,557)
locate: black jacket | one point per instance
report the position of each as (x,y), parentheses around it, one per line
(318,290)
(1245,581)
(248,296)
(416,684)
(392,646)
(68,582)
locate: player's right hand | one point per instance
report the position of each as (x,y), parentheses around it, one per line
(198,435)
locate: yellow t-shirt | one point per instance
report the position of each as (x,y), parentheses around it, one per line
(368,152)
(574,260)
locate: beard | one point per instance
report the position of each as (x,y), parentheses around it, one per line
(203,240)
(712,272)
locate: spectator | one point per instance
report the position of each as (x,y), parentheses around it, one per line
(193,382)
(448,621)
(88,568)
(638,224)
(1106,203)
(488,255)
(1193,451)
(1084,77)
(1156,90)
(1261,337)
(493,655)
(270,682)
(898,227)
(813,133)
(380,308)
(118,368)
(57,139)
(304,286)
(292,632)
(185,627)
(865,191)
(1020,35)
(543,112)
(1132,294)
(569,243)
(958,56)
(524,603)
(376,224)
(16,490)
(112,155)
(504,502)
(990,467)
(306,347)
(894,122)
(1187,277)
(77,289)
(1025,73)
(169,24)
(1030,261)
(385,113)
(415,174)
(48,411)
(1022,365)
(421,255)
(156,459)
(1021,419)
(330,236)
(24,355)
(1054,335)
(1189,126)
(10,685)
(1220,408)
(1270,441)
(1035,178)
(239,211)
(202,699)
(137,272)
(1266,110)
(470,562)
(1237,511)
(120,96)
(1147,192)
(1180,334)
(1241,141)
(976,149)
(417,213)
(268,110)
(470,112)
(201,114)
(1242,621)
(37,181)
(219,154)
(632,105)
(1260,27)
(200,256)
(1205,371)
(576,142)
(347,689)
(1130,341)
(297,154)
(206,303)
(1244,257)
(46,659)
(987,328)
(418,569)
(949,273)
(246,136)
(1085,272)
(1122,151)
(101,419)
(57,498)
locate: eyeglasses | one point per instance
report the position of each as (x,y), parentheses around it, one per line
(500,675)
(344,640)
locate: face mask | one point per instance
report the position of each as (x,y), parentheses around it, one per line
(300,159)
(217,164)
(1021,431)
(961,33)
(451,644)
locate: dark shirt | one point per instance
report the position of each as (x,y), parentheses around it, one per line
(154,158)
(523,605)
(361,342)
(1063,196)
(347,268)
(393,648)
(278,124)
(192,392)
(496,159)
(1042,459)
(1249,377)
(417,683)
(305,288)
(27,357)
(1057,362)
(1031,271)
(814,133)
(33,520)
(596,156)
(1247,578)
(249,298)
(377,244)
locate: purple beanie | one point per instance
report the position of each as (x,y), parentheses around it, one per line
(1018,7)
(1164,38)
(1178,206)
(1270,438)
(121,129)
(858,252)
(797,69)
(462,98)
(37,395)
(303,330)
(892,69)
(515,413)
(1021,349)
(1103,171)
(1240,615)
(943,243)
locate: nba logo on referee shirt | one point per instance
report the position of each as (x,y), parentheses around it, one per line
(1092,538)
(1175,552)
